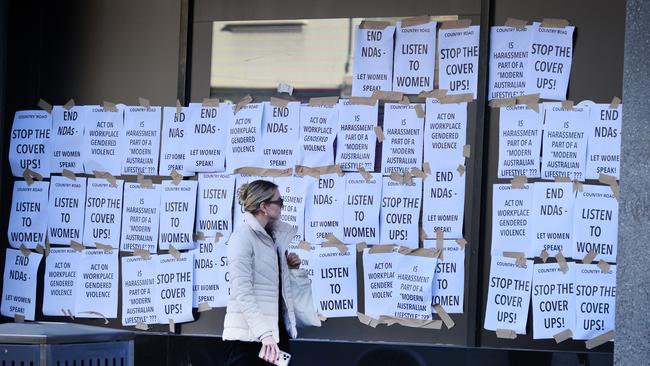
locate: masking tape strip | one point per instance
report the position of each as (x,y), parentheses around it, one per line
(405,100)
(544,255)
(554,23)
(426,167)
(604,266)
(419,111)
(176,177)
(456,24)
(106,248)
(435,93)
(199,235)
(144,102)
(503,102)
(564,267)
(42,104)
(174,252)
(141,326)
(279,102)
(364,173)
(263,172)
(69,105)
(381,248)
(110,106)
(413,323)
(243,102)
(210,102)
(419,252)
(40,249)
(415,21)
(341,247)
(23,249)
(567,104)
(461,169)
(369,101)
(76,246)
(531,100)
(598,340)
(172,327)
(97,313)
(144,254)
(106,175)
(561,179)
(589,257)
(516,23)
(179,107)
(304,245)
(367,320)
(204,306)
(519,181)
(69,174)
(457,98)
(361,246)
(563,336)
(19,318)
(461,243)
(331,238)
(467,150)
(449,322)
(390,96)
(323,101)
(506,333)
(373,24)
(217,236)
(616,101)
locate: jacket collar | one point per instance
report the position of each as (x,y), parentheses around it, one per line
(281,230)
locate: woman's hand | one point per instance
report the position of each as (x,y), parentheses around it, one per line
(270,350)
(293,261)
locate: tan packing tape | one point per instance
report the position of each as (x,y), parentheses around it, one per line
(381,248)
(217,236)
(279,102)
(564,267)
(405,100)
(419,252)
(506,333)
(440,239)
(467,150)
(144,254)
(456,24)
(106,248)
(176,177)
(199,235)
(47,246)
(263,172)
(340,246)
(461,169)
(97,313)
(243,102)
(457,98)
(380,134)
(144,102)
(109,106)
(604,266)
(504,102)
(516,23)
(461,243)
(69,174)
(589,257)
(397,177)
(179,107)
(415,21)
(544,255)
(508,254)
(598,340)
(76,246)
(210,102)
(563,336)
(390,96)
(364,173)
(143,181)
(367,320)
(316,172)
(577,186)
(28,177)
(531,100)
(304,245)
(449,322)
(416,172)
(141,326)
(435,93)
(106,175)
(519,181)
(412,323)
(554,23)
(560,179)
(361,246)
(174,252)
(368,101)
(323,101)
(567,104)
(616,101)
(426,168)
(373,24)
(611,181)
(69,105)
(68,312)
(301,171)
(204,306)
(23,249)
(42,104)
(419,111)
(40,249)
(19,318)
(172,326)
(331,238)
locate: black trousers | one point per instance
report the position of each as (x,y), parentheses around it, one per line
(246,353)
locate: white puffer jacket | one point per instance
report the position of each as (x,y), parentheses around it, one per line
(252,311)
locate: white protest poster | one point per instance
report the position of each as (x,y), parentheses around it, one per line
(97,284)
(372,67)
(565,142)
(19,284)
(28,216)
(244,137)
(553,218)
(554,307)
(280,134)
(103,216)
(449,281)
(355,146)
(174,288)
(595,301)
(378,281)
(415,57)
(403,133)
(59,281)
(319,126)
(66,210)
(444,203)
(334,284)
(214,205)
(174,138)
(508,295)
(512,219)
(238,210)
(138,284)
(595,223)
(293,191)
(604,141)
(324,208)
(102,149)
(458,55)
(520,141)
(549,61)
(400,212)
(177,209)
(68,138)
(207,130)
(509,50)
(141,140)
(210,274)
(361,208)
(30,146)
(445,133)
(413,286)
(140,217)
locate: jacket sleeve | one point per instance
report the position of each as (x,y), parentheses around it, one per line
(240,264)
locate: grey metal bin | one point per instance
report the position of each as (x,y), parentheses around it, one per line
(64,344)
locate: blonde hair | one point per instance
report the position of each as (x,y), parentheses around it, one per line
(252,194)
